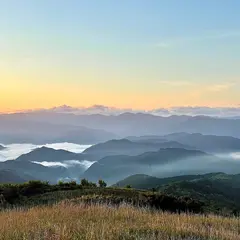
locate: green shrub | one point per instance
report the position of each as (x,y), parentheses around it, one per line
(86,183)
(102,184)
(34,187)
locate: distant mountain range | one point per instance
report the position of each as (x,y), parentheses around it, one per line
(49,127)
(24,128)
(207,143)
(1,147)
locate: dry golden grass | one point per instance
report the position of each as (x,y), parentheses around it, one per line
(68,221)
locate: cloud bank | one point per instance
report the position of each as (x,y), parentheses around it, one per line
(13,151)
(223,112)
(67,164)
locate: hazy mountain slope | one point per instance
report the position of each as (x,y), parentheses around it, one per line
(115,168)
(139,181)
(175,144)
(211,126)
(9,176)
(147,138)
(1,147)
(127,147)
(142,181)
(208,143)
(52,174)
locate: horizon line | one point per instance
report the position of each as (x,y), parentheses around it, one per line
(111,110)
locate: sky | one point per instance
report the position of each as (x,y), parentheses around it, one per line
(129,54)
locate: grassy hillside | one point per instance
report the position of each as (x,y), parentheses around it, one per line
(215,193)
(65,211)
(41,193)
(68,220)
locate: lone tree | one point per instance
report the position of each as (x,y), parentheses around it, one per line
(102,184)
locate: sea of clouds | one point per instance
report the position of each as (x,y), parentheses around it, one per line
(13,151)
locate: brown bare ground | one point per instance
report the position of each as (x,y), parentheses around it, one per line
(68,221)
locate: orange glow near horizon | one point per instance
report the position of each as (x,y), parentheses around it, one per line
(30,88)
(29,96)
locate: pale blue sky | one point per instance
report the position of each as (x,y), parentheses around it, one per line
(109,50)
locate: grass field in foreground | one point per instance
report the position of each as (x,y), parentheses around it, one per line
(69,221)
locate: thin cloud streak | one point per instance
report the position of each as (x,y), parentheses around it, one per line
(177,83)
(185,40)
(220,87)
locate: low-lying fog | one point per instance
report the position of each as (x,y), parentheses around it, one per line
(13,151)
(67,164)
(227,163)
(233,155)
